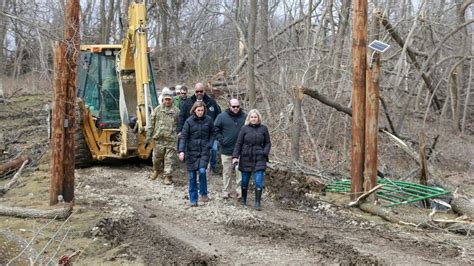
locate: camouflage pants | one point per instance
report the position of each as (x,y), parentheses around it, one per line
(164,157)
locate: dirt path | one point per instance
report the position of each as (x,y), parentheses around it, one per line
(155,223)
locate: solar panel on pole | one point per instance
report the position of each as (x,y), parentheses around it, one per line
(379,46)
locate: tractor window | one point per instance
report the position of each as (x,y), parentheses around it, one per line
(88,81)
(110,94)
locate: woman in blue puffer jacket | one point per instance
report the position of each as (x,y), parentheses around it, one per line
(196,140)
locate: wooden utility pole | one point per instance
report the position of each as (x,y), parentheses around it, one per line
(63,118)
(359,66)
(372,114)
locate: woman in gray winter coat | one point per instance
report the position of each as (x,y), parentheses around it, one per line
(251,153)
(196,140)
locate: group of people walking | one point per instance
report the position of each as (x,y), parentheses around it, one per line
(195,126)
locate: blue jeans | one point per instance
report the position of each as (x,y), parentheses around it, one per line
(257,176)
(213,161)
(193,188)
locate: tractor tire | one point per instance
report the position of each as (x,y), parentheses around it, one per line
(82,154)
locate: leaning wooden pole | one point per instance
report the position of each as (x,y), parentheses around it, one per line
(71,36)
(372,115)
(359,66)
(63,118)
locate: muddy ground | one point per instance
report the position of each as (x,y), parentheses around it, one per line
(121,217)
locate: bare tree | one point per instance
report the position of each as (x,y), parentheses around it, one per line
(250,49)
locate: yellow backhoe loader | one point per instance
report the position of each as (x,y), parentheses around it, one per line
(115,95)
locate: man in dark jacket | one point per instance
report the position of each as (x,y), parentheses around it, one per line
(228,124)
(213,110)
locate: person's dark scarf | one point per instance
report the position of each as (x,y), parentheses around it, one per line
(232,114)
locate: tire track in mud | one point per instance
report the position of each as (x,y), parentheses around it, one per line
(325,246)
(165,230)
(245,241)
(155,245)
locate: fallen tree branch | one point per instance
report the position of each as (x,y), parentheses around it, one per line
(347,110)
(415,156)
(322,98)
(365,195)
(52,238)
(411,54)
(390,216)
(463,227)
(13,183)
(462,205)
(59,246)
(59,214)
(12,165)
(396,139)
(30,243)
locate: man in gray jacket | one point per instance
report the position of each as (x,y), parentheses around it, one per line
(228,124)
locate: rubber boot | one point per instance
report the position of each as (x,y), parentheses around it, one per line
(168,180)
(243,198)
(258,199)
(153,175)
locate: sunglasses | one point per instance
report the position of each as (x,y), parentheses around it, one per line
(199,91)
(236,106)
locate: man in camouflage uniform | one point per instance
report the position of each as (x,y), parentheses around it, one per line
(164,120)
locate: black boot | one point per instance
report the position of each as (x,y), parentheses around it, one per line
(243,198)
(258,198)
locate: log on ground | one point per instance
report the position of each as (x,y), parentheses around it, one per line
(463,205)
(59,213)
(12,165)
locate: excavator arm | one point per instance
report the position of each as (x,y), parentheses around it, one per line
(116,87)
(133,65)
(134,59)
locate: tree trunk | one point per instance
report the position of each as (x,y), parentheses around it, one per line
(251,56)
(109,21)
(339,42)
(3,34)
(264,43)
(240,36)
(466,101)
(295,138)
(424,166)
(103,22)
(165,38)
(176,8)
(463,50)
(308,25)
